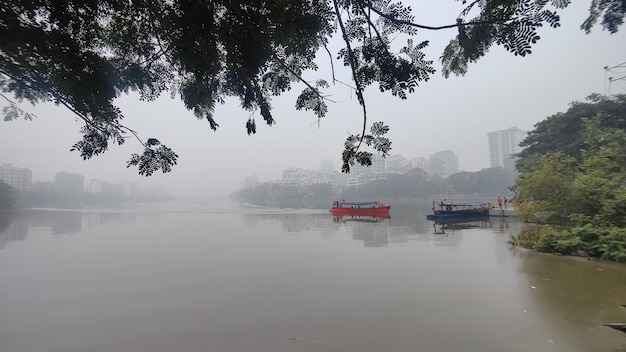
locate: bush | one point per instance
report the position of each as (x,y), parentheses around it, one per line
(527,237)
(550,239)
(610,244)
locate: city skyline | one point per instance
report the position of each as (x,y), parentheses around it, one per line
(502,145)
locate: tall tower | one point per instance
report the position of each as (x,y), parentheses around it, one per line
(503,145)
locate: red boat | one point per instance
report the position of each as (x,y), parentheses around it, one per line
(359,208)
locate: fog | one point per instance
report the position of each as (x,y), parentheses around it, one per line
(499,92)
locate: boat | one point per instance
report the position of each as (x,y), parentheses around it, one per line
(444,209)
(370,208)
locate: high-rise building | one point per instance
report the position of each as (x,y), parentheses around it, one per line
(503,145)
(444,163)
(19,178)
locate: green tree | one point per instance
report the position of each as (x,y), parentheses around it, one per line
(84,54)
(548,187)
(590,192)
(600,183)
(565,131)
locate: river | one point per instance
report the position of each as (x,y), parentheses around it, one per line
(220,277)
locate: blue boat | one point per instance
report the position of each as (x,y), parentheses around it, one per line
(444,209)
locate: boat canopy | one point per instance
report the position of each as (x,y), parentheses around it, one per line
(358,203)
(470,204)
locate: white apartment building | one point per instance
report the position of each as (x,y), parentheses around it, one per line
(503,145)
(294,178)
(19,178)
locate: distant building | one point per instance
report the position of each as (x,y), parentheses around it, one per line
(352,182)
(378,167)
(421,163)
(69,183)
(19,178)
(129,189)
(396,164)
(503,145)
(294,178)
(152,191)
(104,188)
(43,186)
(251,181)
(444,163)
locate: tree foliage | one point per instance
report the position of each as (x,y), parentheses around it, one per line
(85,54)
(564,131)
(586,187)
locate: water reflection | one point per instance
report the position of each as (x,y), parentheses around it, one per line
(245,282)
(60,222)
(291,222)
(367,229)
(498,224)
(12,229)
(443,226)
(406,223)
(361,218)
(16,225)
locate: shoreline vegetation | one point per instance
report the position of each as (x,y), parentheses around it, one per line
(572,181)
(607,243)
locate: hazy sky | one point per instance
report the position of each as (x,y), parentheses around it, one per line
(499,92)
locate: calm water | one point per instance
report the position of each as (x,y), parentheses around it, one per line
(216,277)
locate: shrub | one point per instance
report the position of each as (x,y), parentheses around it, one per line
(610,244)
(550,239)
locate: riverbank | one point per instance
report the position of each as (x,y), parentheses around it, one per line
(607,243)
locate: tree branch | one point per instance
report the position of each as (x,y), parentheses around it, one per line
(359,88)
(416,25)
(332,65)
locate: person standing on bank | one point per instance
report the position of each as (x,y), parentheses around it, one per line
(499,202)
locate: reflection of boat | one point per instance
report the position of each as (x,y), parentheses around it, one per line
(441,225)
(373,208)
(361,218)
(450,210)
(476,221)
